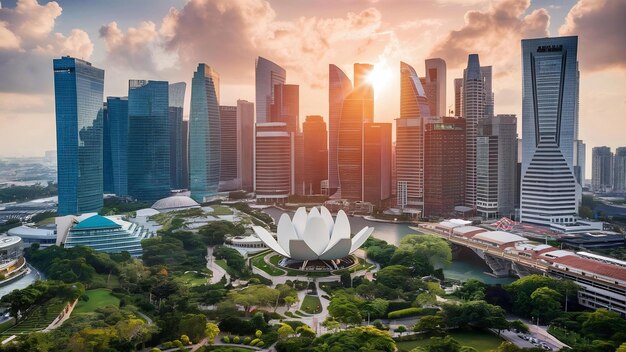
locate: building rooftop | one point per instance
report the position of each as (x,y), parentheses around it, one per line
(6,241)
(95,222)
(463,230)
(593,266)
(175,202)
(498,237)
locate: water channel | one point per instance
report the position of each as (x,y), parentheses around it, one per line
(465,265)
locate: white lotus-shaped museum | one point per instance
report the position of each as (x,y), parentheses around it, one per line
(314,235)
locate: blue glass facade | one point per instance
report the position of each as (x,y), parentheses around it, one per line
(204,134)
(78,90)
(177,98)
(148,140)
(116,146)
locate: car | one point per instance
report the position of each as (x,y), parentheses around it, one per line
(521,336)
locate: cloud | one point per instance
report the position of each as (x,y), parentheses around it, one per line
(133,48)
(494,33)
(600,27)
(28,43)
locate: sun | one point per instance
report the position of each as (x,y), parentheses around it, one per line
(381,76)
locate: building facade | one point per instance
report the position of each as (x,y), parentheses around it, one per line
(619,170)
(204,134)
(436,76)
(550,192)
(458,97)
(286,106)
(78,94)
(601,169)
(376,163)
(315,148)
(274,162)
(267,75)
(230,176)
(116,146)
(148,140)
(185,155)
(339,86)
(245,116)
(175,113)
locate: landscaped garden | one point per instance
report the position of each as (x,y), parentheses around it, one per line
(38,319)
(311,305)
(192,278)
(482,341)
(260,263)
(97,298)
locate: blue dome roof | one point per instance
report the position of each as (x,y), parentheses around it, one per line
(96,222)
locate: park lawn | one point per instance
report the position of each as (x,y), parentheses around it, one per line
(99,297)
(106,280)
(220,210)
(260,263)
(482,341)
(311,305)
(193,279)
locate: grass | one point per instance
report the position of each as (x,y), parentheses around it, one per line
(192,279)
(38,319)
(311,305)
(7,324)
(482,341)
(220,210)
(260,263)
(568,337)
(105,280)
(100,297)
(46,221)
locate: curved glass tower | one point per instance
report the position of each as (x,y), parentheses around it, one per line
(339,86)
(267,75)
(550,191)
(204,134)
(78,92)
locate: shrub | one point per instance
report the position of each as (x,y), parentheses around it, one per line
(402,313)
(260,344)
(258,333)
(226,339)
(167,345)
(185,340)
(177,343)
(236,339)
(254,342)
(246,341)
(154,349)
(397,305)
(429,311)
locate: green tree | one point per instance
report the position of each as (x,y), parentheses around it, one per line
(545,304)
(471,290)
(430,325)
(478,314)
(256,295)
(361,338)
(285,331)
(210,332)
(443,344)
(423,253)
(400,329)
(193,325)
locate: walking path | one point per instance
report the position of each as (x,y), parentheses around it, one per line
(63,316)
(218,271)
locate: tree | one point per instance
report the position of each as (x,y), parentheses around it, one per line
(256,295)
(331,324)
(519,326)
(343,308)
(545,304)
(425,299)
(445,344)
(193,325)
(361,338)
(394,276)
(422,253)
(305,331)
(400,329)
(472,290)
(622,348)
(290,301)
(210,332)
(478,314)
(285,331)
(522,289)
(602,324)
(429,325)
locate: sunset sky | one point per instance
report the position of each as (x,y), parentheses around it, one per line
(165,40)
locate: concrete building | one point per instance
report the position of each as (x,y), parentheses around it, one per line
(115,146)
(316,154)
(550,192)
(339,86)
(458,97)
(245,116)
(376,163)
(175,112)
(267,75)
(78,95)
(148,140)
(436,77)
(185,155)
(444,167)
(286,106)
(274,162)
(230,174)
(204,134)
(496,166)
(601,169)
(619,170)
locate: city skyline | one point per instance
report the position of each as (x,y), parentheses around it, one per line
(25,103)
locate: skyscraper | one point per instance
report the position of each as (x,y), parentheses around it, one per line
(274,164)
(475,108)
(550,192)
(175,112)
(230,176)
(444,169)
(78,92)
(107,168)
(315,154)
(436,76)
(601,169)
(619,170)
(286,106)
(185,155)
(204,134)
(376,163)
(116,145)
(363,89)
(496,164)
(245,116)
(458,97)
(267,75)
(148,140)
(409,162)
(339,86)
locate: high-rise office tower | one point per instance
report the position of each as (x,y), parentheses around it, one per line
(363,87)
(148,140)
(376,163)
(107,168)
(116,146)
(619,170)
(414,110)
(185,155)
(436,77)
(550,191)
(601,169)
(204,134)
(444,169)
(315,149)
(78,90)
(267,75)
(475,108)
(580,154)
(458,97)
(286,106)
(245,116)
(486,75)
(230,176)
(496,164)
(299,187)
(339,86)
(274,164)
(175,111)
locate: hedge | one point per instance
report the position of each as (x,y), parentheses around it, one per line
(407,312)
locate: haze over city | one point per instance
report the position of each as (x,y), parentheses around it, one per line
(165,40)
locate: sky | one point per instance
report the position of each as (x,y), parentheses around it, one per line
(165,40)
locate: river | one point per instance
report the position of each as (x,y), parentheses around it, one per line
(465,264)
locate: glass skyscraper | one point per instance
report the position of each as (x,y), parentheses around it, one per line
(204,134)
(267,75)
(550,192)
(78,90)
(176,101)
(148,140)
(339,86)
(116,146)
